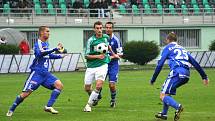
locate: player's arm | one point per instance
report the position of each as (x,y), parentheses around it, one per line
(199,69)
(55,56)
(40,53)
(159,66)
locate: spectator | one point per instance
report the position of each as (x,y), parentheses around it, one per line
(3,40)
(92,6)
(24,47)
(104,6)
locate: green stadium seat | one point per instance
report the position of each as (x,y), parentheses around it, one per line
(184,9)
(51,9)
(6,9)
(208,8)
(61,2)
(48,1)
(157,2)
(172,9)
(63,9)
(160,9)
(205,2)
(38,9)
(86,3)
(122,9)
(135,10)
(193,2)
(196,9)
(145,2)
(36,1)
(147,9)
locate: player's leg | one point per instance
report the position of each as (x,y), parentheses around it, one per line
(100,74)
(56,86)
(88,80)
(113,77)
(29,87)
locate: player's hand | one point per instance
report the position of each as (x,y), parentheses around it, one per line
(205,81)
(116,56)
(59,46)
(101,56)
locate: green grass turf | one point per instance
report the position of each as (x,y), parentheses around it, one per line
(137,100)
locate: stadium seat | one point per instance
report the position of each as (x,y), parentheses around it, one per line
(147,9)
(196,9)
(184,9)
(205,2)
(51,9)
(122,9)
(6,9)
(208,8)
(193,2)
(172,9)
(36,1)
(86,3)
(157,2)
(63,9)
(135,10)
(159,9)
(61,2)
(48,2)
(145,2)
(37,9)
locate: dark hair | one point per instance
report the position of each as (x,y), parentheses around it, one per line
(97,23)
(42,28)
(110,23)
(172,36)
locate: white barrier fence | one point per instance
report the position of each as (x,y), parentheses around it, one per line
(21,63)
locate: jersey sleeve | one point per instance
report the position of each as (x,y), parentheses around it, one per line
(87,49)
(119,49)
(197,67)
(54,56)
(39,51)
(160,63)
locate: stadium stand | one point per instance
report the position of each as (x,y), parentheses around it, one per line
(181,7)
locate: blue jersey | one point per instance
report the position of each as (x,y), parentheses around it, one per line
(116,46)
(179,60)
(42,55)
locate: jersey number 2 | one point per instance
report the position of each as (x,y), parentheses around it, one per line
(181,54)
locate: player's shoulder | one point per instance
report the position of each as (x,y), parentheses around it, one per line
(105,36)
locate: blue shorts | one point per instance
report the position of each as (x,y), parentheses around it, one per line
(173,81)
(37,78)
(113,70)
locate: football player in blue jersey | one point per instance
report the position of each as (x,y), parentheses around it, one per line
(113,66)
(179,61)
(39,74)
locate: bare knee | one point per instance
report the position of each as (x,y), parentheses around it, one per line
(24,95)
(99,84)
(58,85)
(162,95)
(112,86)
(88,88)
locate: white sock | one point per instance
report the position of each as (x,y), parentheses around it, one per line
(93,96)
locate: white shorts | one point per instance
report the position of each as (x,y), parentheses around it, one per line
(98,73)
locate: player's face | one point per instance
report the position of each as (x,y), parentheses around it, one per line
(98,30)
(167,41)
(45,34)
(109,29)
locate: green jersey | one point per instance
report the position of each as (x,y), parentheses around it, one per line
(91,50)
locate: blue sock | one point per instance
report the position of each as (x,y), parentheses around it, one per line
(170,102)
(113,95)
(18,100)
(165,109)
(54,95)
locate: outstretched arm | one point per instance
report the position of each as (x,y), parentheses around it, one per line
(199,69)
(159,66)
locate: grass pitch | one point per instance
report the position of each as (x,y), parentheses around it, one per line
(136,99)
